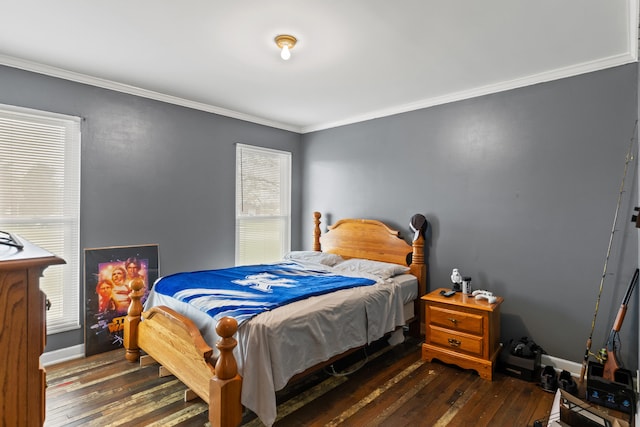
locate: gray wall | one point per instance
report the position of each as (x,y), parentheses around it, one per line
(520,188)
(152,173)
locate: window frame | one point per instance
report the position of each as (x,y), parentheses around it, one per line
(283,218)
(61,283)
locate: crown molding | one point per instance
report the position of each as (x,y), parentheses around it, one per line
(587,67)
(133,90)
(556,74)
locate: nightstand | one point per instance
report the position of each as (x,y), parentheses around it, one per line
(463,331)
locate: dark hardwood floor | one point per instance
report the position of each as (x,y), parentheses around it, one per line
(394,388)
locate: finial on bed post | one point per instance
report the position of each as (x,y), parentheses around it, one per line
(226,366)
(132,321)
(316,232)
(225,408)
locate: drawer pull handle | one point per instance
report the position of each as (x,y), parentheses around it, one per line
(452,320)
(454,342)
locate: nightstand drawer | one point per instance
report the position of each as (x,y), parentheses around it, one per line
(459,342)
(455,319)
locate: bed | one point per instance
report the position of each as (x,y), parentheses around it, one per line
(276,347)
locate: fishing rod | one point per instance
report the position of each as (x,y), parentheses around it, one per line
(627,160)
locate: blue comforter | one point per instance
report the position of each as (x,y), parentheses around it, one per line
(246,291)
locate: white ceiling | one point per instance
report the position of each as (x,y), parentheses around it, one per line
(355,59)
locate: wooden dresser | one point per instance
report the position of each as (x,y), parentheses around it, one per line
(22,334)
(463,331)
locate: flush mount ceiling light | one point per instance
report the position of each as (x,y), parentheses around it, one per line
(286,43)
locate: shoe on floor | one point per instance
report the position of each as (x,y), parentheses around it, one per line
(567,383)
(548,379)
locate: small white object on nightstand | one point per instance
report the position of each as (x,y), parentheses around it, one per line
(456,277)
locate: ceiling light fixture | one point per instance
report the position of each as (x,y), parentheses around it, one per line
(286,43)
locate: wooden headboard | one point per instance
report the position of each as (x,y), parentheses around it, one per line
(372,239)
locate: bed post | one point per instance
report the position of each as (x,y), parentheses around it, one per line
(132,321)
(225,409)
(316,232)
(419,269)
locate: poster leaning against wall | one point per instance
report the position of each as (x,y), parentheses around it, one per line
(108,274)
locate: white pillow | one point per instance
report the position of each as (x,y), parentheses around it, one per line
(314,256)
(384,270)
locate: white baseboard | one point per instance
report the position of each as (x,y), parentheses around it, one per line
(561,364)
(62,355)
(575,368)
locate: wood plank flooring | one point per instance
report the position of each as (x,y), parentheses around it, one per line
(394,388)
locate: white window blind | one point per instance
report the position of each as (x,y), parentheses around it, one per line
(263,204)
(40,199)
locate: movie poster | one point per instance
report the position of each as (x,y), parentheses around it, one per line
(108,274)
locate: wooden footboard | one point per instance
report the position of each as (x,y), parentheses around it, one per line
(174,341)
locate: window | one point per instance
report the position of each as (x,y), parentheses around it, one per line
(40,199)
(263,204)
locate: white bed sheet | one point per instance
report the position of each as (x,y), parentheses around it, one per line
(276,345)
